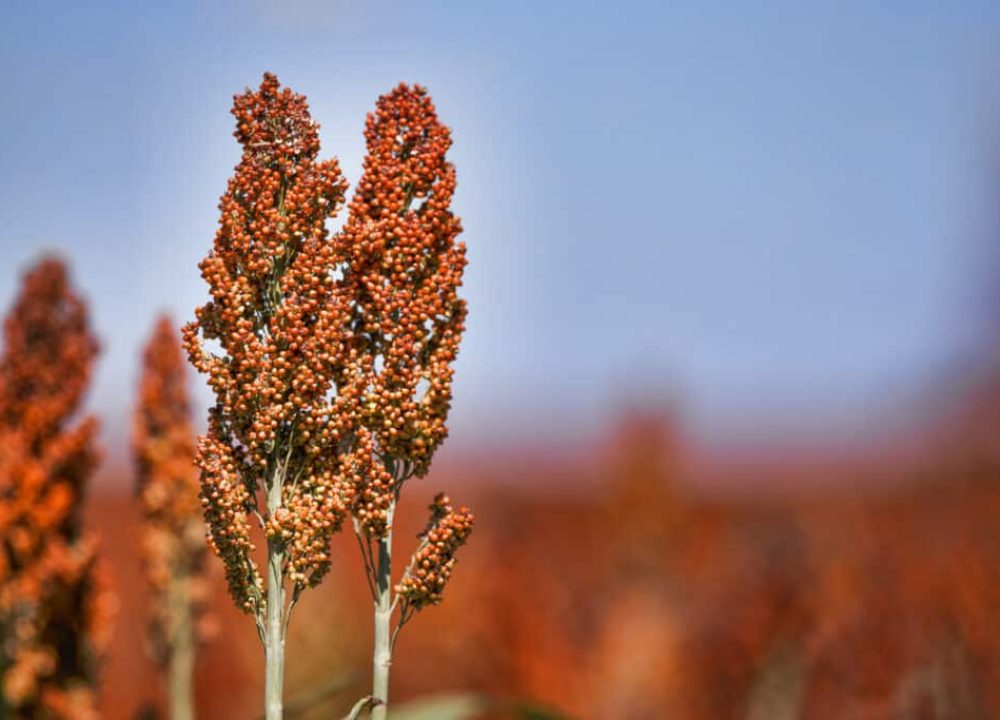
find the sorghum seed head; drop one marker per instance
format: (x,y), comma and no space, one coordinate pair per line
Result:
(54,604)
(172,531)
(432,563)
(404,267)
(279,321)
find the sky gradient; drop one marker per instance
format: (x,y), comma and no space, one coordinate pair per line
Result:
(774,219)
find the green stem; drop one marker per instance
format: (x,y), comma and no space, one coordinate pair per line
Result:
(382,658)
(274,625)
(180,671)
(274,648)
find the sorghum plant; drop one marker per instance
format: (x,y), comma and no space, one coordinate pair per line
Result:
(272,456)
(53,608)
(172,540)
(403,267)
(333,369)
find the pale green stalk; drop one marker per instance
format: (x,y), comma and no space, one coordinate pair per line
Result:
(180,668)
(382,658)
(274,621)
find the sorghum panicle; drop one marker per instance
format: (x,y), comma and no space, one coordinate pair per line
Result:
(47,357)
(404,268)
(278,316)
(424,582)
(54,605)
(172,532)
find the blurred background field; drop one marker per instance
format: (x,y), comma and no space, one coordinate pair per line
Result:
(607,583)
(728,408)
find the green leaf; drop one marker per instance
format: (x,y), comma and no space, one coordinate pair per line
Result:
(459,706)
(534,712)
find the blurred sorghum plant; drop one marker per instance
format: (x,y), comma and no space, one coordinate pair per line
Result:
(403,267)
(330,360)
(54,604)
(172,531)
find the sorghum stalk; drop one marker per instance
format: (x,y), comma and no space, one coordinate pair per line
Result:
(172,532)
(403,268)
(382,657)
(272,454)
(180,673)
(275,631)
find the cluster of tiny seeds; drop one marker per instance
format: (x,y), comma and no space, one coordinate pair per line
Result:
(45,559)
(335,369)
(226,502)
(432,563)
(279,315)
(173,546)
(374,486)
(48,353)
(404,268)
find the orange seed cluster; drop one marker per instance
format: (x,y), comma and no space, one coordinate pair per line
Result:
(278,350)
(432,563)
(172,539)
(53,603)
(403,269)
(333,366)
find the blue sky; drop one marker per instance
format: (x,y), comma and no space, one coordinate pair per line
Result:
(769,216)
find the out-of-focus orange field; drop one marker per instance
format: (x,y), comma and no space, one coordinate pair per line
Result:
(626,581)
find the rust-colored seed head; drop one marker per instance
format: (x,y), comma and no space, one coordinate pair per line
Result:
(334,363)
(404,267)
(278,315)
(54,605)
(433,561)
(172,539)
(48,354)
